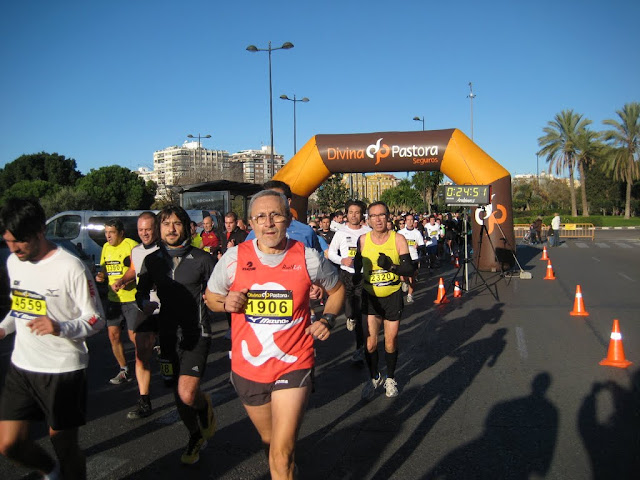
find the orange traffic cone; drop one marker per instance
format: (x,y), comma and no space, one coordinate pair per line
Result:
(550,275)
(544,253)
(578,305)
(442,294)
(457,291)
(615,355)
(457,265)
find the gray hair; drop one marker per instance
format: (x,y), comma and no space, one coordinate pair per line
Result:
(271,193)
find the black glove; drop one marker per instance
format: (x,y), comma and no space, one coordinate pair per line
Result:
(385,262)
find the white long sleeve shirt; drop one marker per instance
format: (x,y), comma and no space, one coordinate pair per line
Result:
(344,245)
(61,288)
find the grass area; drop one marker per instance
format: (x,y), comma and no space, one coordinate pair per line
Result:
(597,220)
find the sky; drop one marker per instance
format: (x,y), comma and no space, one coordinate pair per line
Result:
(111,82)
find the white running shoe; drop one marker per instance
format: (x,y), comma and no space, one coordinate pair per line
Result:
(370,386)
(405,287)
(409,298)
(391,387)
(351,324)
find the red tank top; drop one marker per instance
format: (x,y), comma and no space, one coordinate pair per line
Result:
(269,339)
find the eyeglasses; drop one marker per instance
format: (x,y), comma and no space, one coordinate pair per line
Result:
(274,217)
(379,215)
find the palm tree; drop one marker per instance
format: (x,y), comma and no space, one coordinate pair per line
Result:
(426,183)
(625,137)
(559,145)
(590,149)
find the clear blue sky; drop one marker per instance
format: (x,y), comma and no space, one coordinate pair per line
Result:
(111,82)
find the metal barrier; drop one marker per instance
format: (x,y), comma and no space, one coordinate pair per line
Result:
(567,230)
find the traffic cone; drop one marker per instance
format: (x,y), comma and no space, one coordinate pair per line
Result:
(442,293)
(457,265)
(457,291)
(550,275)
(578,305)
(615,355)
(544,253)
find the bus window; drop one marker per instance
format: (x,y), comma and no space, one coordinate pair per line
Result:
(66,226)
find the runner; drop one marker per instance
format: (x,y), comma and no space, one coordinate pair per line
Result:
(342,252)
(414,241)
(383,256)
(121,307)
(265,284)
(180,273)
(210,241)
(144,334)
(54,308)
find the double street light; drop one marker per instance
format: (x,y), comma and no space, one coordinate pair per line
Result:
(294,100)
(199,147)
(253,48)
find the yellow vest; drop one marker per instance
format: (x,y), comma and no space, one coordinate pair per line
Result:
(114,259)
(377,281)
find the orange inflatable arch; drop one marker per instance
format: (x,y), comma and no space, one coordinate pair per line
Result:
(449,151)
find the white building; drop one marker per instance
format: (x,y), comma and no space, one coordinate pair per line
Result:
(189,161)
(256,164)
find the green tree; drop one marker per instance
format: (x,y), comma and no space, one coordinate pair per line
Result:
(604,193)
(30,188)
(49,167)
(402,197)
(67,198)
(117,188)
(559,144)
(590,149)
(624,136)
(332,194)
(426,183)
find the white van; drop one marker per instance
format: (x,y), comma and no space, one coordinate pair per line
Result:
(85,228)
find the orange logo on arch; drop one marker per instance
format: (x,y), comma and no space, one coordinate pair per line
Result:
(379,150)
(490,217)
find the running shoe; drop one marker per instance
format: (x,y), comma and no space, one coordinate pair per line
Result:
(192,453)
(122,377)
(405,287)
(351,324)
(409,298)
(143,410)
(210,428)
(391,387)
(370,386)
(358,355)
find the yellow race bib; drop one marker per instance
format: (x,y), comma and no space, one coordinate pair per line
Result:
(27,305)
(269,306)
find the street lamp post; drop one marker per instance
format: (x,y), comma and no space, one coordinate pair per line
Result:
(199,147)
(253,48)
(418,119)
(294,100)
(471,96)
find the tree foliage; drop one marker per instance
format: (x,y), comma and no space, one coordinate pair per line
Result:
(66,198)
(403,197)
(49,167)
(624,136)
(426,183)
(332,194)
(30,188)
(117,188)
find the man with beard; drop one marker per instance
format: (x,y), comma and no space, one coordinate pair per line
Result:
(180,273)
(54,307)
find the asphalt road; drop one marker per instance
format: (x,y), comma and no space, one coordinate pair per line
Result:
(502,383)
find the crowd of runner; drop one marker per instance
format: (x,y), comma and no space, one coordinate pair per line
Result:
(280,282)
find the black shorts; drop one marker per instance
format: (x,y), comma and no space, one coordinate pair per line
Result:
(255,394)
(193,358)
(58,398)
(389,308)
(148,324)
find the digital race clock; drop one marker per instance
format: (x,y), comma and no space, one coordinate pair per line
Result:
(473,195)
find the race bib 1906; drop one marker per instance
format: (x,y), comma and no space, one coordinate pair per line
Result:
(269,306)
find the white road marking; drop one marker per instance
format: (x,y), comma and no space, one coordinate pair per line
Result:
(522,345)
(581,245)
(622,245)
(596,259)
(603,245)
(626,277)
